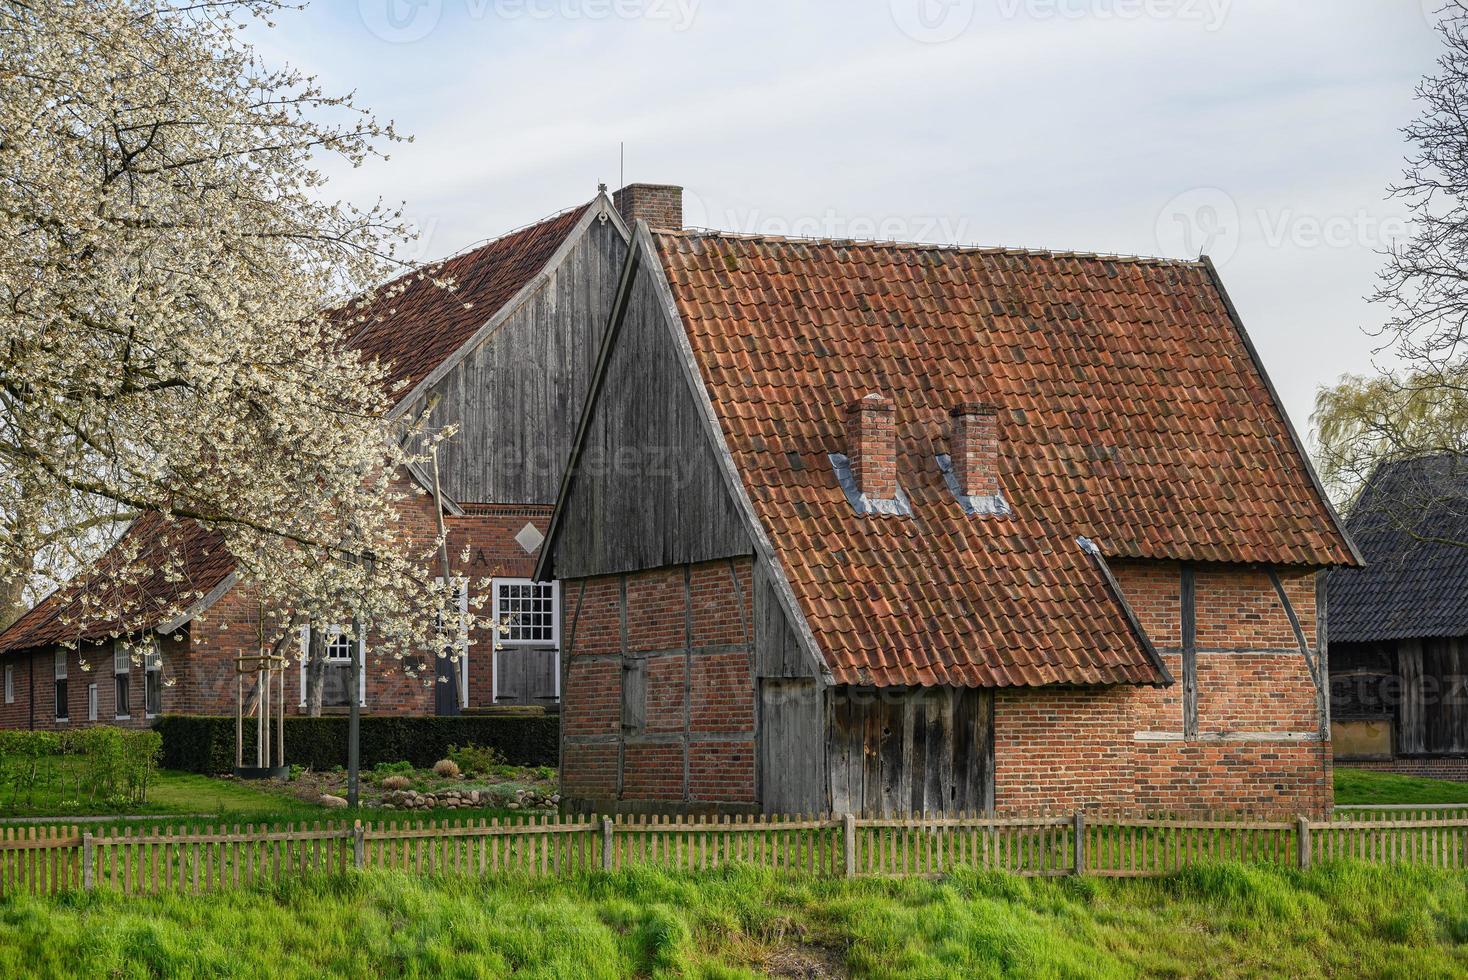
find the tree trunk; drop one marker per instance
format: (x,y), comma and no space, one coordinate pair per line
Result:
(315,670)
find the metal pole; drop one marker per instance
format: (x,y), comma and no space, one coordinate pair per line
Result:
(239,715)
(354,716)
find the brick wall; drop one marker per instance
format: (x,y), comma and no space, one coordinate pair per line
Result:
(1257,746)
(199,662)
(1454,769)
(91,664)
(684,631)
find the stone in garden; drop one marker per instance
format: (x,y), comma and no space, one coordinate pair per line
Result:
(334,802)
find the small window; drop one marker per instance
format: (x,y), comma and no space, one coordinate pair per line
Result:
(122,676)
(61,702)
(527,613)
(153,684)
(10,683)
(91,702)
(336,681)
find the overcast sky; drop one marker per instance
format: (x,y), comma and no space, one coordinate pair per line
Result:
(1262,131)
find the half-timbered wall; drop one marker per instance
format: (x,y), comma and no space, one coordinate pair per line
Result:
(658,690)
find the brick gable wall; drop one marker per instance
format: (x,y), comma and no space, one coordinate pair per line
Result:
(1257,747)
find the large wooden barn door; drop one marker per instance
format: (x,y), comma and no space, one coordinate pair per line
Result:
(893,751)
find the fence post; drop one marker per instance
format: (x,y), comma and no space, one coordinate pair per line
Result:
(1302,839)
(359,846)
(1079,828)
(607,853)
(89,862)
(848,837)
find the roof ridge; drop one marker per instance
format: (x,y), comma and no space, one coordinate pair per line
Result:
(1014,250)
(486,242)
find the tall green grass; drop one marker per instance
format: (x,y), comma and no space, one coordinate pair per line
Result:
(1341,919)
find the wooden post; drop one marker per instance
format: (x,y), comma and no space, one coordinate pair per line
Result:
(607,853)
(848,837)
(359,846)
(1302,835)
(1078,823)
(89,862)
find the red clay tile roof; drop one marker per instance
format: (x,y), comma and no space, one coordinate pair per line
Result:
(413,332)
(418,329)
(1130,413)
(204,563)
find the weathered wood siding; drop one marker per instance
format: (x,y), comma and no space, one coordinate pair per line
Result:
(792,746)
(778,653)
(517,397)
(647,491)
(895,751)
(1432,712)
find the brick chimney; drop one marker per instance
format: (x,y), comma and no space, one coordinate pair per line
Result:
(871,445)
(975,449)
(660,205)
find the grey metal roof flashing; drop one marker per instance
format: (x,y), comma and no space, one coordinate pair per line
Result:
(993,505)
(898,506)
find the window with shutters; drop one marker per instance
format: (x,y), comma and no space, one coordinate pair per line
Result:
(61,704)
(122,665)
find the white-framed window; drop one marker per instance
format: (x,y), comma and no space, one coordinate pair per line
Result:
(527,613)
(336,692)
(91,702)
(153,682)
(60,674)
(10,683)
(122,666)
(527,638)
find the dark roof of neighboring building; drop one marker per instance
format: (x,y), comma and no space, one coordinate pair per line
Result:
(68,614)
(421,326)
(1132,412)
(1411,522)
(413,330)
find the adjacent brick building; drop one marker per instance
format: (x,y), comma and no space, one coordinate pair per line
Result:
(506,358)
(883,528)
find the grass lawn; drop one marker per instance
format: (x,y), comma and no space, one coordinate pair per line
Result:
(1365,787)
(1338,920)
(173,795)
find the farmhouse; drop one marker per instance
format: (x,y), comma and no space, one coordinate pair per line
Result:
(508,357)
(885,528)
(1399,627)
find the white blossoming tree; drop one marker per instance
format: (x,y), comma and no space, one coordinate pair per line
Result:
(167,255)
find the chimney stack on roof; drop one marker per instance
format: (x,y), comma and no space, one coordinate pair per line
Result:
(660,205)
(871,445)
(975,449)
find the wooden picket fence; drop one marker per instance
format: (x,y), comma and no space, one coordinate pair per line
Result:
(49,860)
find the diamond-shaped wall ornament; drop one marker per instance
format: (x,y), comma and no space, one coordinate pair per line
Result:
(529,537)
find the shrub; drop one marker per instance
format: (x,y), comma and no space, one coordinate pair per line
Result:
(396,783)
(116,765)
(478,759)
(205,744)
(446,769)
(26,761)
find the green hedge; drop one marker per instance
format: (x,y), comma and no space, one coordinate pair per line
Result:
(117,765)
(205,744)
